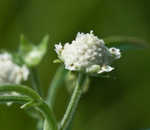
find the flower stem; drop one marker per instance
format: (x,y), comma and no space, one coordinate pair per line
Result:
(35,81)
(50,123)
(69,114)
(56,83)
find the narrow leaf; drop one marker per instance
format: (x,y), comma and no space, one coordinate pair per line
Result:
(125,43)
(28,105)
(20,99)
(21,89)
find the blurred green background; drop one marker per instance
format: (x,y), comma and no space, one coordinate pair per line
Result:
(119,103)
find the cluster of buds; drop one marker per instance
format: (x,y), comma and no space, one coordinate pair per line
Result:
(87,53)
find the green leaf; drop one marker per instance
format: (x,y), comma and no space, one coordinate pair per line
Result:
(28,105)
(125,43)
(45,110)
(18,99)
(33,54)
(20,89)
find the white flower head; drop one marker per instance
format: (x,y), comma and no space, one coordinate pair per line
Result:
(11,72)
(87,53)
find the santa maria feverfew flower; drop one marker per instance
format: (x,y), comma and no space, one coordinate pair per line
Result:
(11,72)
(87,53)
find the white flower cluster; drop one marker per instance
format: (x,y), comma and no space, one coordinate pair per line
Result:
(11,72)
(87,53)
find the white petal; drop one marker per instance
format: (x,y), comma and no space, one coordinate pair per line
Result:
(106,68)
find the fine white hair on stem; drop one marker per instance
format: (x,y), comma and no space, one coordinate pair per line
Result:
(87,53)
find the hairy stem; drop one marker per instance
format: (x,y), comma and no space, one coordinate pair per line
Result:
(69,114)
(50,123)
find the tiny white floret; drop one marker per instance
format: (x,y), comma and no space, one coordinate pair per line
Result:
(106,68)
(116,52)
(58,48)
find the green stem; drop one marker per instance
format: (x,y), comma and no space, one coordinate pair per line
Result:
(56,83)
(69,114)
(50,123)
(35,81)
